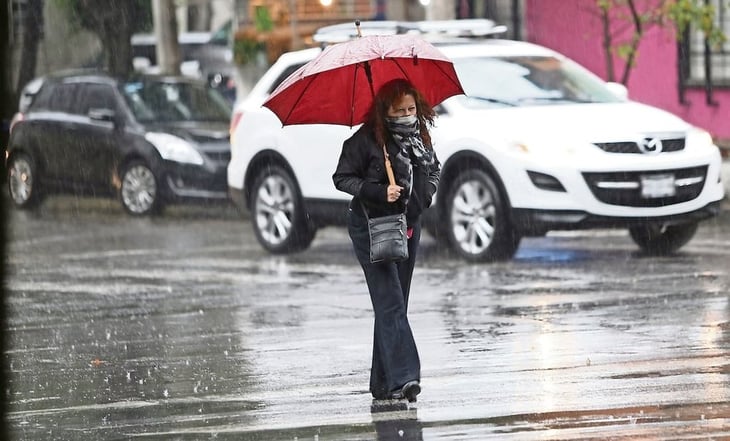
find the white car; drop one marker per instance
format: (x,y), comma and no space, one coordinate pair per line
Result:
(537,144)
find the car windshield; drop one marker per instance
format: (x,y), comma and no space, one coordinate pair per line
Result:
(165,101)
(533,80)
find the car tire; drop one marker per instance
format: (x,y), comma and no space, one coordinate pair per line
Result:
(277,212)
(662,240)
(477,223)
(139,191)
(22,178)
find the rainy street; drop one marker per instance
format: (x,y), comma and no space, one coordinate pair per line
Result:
(181,327)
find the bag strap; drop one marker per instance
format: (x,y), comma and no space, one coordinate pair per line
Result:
(391,178)
(388,167)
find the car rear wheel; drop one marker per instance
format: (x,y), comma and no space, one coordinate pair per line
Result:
(661,240)
(139,191)
(477,222)
(23,181)
(277,212)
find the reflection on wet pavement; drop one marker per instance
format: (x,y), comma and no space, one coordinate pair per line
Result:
(183,328)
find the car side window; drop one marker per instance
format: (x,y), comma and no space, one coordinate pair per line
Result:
(288,71)
(55,98)
(96,96)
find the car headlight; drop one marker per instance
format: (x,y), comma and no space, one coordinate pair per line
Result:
(175,149)
(698,138)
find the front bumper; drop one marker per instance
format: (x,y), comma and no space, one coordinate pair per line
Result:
(537,222)
(183,182)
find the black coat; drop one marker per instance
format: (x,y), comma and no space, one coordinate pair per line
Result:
(361,173)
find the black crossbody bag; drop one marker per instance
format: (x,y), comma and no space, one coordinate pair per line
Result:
(388,238)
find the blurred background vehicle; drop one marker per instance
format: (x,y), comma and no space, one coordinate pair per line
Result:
(205,55)
(149,140)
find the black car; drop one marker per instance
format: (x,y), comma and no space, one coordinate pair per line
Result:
(149,140)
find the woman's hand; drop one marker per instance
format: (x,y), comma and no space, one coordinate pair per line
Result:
(394,192)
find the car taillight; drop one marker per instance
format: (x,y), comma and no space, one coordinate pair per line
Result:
(18,117)
(234,121)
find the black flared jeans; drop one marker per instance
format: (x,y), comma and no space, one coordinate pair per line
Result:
(395,356)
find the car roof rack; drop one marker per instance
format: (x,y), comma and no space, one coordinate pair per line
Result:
(464,28)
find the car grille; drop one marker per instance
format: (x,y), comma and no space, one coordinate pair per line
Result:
(624,188)
(668,145)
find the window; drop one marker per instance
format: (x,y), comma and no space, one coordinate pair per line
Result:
(157,101)
(55,97)
(284,75)
(703,65)
(96,96)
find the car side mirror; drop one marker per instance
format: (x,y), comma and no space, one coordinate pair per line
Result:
(618,89)
(106,115)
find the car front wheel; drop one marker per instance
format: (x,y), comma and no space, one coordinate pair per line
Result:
(661,240)
(23,181)
(277,213)
(477,221)
(139,192)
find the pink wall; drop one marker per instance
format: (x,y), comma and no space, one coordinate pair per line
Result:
(573,27)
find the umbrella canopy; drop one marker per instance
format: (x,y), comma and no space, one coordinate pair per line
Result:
(335,88)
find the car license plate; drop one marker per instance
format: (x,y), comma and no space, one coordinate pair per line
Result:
(657,186)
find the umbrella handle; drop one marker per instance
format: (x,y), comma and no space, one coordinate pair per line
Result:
(388,167)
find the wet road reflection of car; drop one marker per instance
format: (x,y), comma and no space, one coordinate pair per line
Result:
(183,327)
(149,140)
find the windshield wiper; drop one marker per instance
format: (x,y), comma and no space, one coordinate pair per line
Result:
(492,100)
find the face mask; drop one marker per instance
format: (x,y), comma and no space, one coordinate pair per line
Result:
(403,120)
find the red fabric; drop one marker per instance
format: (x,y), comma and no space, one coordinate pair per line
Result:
(333,87)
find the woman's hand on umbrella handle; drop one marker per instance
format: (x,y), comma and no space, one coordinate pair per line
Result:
(394,192)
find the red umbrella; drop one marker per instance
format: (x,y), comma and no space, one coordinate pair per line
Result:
(335,87)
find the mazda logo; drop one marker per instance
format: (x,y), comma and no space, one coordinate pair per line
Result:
(650,145)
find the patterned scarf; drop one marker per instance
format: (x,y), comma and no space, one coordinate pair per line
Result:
(406,133)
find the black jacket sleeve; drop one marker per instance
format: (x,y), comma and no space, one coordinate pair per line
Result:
(433,179)
(351,175)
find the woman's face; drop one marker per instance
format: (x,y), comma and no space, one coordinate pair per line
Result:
(403,106)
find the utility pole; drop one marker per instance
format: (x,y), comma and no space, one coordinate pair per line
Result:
(168,47)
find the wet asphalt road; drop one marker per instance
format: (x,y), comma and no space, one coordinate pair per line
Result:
(182,328)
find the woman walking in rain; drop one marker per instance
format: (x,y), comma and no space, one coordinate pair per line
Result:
(399,119)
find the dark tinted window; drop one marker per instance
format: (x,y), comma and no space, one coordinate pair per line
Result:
(160,100)
(96,96)
(56,97)
(288,71)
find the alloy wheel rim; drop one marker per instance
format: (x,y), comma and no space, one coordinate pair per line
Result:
(139,189)
(20,181)
(274,210)
(473,217)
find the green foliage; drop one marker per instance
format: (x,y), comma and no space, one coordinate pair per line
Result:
(623,50)
(685,13)
(262,19)
(246,47)
(250,42)
(637,16)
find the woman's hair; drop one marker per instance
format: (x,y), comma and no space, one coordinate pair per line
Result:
(386,96)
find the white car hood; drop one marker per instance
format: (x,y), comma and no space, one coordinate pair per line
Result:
(608,122)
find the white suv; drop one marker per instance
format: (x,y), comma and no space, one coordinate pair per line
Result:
(537,144)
